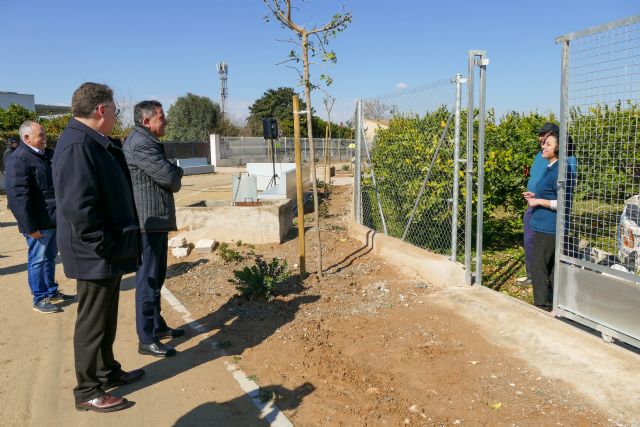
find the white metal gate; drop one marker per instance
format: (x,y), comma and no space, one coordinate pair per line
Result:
(598,228)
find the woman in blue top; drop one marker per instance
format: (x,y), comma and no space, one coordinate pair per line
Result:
(543,221)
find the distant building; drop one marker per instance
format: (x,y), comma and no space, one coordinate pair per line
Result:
(28,102)
(23,99)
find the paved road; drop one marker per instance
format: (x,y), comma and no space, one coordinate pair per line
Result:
(36,361)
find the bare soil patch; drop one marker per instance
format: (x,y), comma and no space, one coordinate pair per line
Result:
(364,345)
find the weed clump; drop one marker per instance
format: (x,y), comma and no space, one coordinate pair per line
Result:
(228,254)
(260,279)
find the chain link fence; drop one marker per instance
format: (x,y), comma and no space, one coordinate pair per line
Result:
(242,150)
(408,180)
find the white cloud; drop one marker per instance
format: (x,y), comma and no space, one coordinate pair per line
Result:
(401,85)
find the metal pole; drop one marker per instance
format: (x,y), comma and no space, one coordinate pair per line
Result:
(299,195)
(562,168)
(357,199)
(469,172)
(482,62)
(456,169)
(375,184)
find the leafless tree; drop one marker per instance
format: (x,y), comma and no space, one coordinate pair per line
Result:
(281,10)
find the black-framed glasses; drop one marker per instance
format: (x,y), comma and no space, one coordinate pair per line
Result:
(116,111)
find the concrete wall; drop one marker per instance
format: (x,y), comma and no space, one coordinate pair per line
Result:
(268,223)
(435,268)
(286,188)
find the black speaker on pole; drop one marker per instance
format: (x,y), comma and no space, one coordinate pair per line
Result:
(270,128)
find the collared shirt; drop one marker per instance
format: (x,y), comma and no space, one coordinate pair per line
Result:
(41,152)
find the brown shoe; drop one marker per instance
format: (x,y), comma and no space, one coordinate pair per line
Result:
(126,378)
(104,403)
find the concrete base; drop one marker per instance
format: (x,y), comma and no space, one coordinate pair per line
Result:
(438,269)
(268,223)
(195,166)
(286,183)
(198,170)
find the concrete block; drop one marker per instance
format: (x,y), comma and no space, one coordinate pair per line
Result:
(205,246)
(177,242)
(181,252)
(267,223)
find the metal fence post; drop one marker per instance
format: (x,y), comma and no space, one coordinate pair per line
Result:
(562,169)
(456,169)
(469,173)
(482,62)
(357,199)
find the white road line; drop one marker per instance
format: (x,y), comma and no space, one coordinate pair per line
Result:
(268,411)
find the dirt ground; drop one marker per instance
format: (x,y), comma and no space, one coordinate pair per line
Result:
(365,345)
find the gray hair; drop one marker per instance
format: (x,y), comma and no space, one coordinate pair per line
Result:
(25,128)
(87,97)
(144,110)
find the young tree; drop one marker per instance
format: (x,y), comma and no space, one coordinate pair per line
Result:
(192,118)
(328,102)
(281,10)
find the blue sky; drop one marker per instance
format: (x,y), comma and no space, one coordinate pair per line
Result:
(164,49)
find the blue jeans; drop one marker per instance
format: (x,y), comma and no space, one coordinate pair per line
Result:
(149,280)
(41,265)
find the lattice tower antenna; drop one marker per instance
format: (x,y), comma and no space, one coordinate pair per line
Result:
(223,70)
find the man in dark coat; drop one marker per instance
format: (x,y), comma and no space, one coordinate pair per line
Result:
(98,237)
(154,179)
(12,145)
(32,201)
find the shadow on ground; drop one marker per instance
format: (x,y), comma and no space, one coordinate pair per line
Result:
(234,327)
(233,411)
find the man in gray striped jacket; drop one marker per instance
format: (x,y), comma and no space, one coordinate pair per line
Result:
(154,180)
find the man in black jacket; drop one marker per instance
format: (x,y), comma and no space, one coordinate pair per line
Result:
(98,237)
(12,145)
(154,179)
(32,201)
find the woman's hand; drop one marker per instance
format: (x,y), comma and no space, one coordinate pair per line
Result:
(528,195)
(533,202)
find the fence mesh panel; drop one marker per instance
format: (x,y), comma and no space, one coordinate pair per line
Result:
(407,164)
(257,149)
(604,91)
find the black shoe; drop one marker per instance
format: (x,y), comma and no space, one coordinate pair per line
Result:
(126,378)
(170,333)
(156,349)
(45,306)
(59,297)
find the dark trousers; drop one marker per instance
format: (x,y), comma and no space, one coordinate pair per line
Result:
(95,332)
(528,240)
(149,280)
(544,248)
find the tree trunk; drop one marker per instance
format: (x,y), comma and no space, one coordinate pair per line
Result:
(307,95)
(327,158)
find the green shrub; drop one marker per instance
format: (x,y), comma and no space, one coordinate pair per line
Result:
(260,279)
(228,254)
